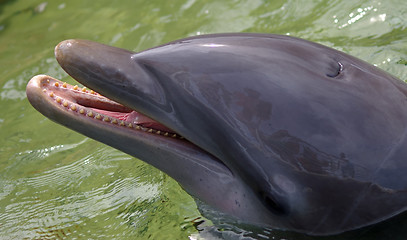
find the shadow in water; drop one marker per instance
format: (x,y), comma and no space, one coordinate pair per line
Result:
(223,228)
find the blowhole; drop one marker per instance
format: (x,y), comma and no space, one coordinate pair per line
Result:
(336,72)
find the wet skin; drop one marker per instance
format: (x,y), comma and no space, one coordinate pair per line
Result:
(272,130)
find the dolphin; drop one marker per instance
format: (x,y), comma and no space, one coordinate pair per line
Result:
(270,130)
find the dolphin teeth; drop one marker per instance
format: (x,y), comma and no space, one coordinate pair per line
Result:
(89,113)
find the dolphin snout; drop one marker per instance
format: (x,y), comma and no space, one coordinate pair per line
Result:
(63,47)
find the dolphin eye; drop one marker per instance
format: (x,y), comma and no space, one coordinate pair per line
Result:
(336,70)
(273,205)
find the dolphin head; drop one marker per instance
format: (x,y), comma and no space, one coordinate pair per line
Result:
(272,130)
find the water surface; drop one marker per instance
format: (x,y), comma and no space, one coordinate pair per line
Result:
(55,183)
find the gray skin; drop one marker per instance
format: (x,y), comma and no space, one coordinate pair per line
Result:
(280,132)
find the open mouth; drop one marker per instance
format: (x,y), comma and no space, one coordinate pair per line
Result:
(85,103)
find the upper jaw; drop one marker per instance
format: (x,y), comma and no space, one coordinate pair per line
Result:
(125,77)
(108,70)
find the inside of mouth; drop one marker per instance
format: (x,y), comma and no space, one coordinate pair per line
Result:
(135,118)
(88,103)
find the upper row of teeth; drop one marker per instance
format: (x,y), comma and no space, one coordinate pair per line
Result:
(98,116)
(65,85)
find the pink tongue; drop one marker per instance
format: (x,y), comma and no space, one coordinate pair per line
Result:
(136,118)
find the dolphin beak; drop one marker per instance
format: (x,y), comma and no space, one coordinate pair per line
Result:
(108,70)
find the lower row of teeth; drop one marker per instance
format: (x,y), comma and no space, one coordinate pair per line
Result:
(76,108)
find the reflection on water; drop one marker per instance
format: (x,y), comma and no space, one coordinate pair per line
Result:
(72,196)
(83,197)
(55,183)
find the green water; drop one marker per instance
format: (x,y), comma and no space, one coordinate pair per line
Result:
(55,183)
